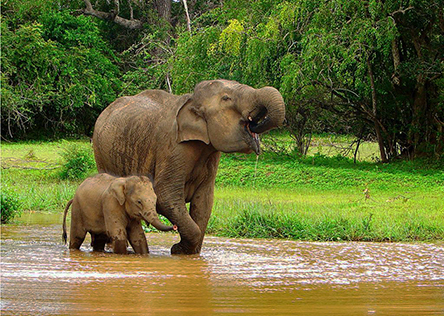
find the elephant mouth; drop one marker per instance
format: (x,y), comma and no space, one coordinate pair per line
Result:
(253,140)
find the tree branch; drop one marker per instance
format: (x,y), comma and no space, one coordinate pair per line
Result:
(112,16)
(187,15)
(403,11)
(131,10)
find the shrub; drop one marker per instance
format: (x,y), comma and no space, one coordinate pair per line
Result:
(78,162)
(10,204)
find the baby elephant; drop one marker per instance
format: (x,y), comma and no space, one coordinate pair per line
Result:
(110,209)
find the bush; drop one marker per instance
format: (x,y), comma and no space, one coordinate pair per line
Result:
(10,204)
(78,162)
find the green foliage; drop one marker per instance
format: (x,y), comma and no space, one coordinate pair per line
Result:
(230,38)
(57,73)
(368,68)
(78,162)
(148,68)
(320,55)
(10,204)
(193,55)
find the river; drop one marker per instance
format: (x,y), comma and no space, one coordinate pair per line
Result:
(40,276)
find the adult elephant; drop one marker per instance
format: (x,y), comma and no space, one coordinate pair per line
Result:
(178,139)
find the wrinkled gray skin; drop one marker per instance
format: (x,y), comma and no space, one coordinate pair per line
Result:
(178,140)
(110,209)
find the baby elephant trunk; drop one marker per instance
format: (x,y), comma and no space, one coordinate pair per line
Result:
(161,226)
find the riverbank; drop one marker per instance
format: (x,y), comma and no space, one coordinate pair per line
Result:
(278,196)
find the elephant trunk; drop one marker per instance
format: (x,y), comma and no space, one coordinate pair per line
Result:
(269,111)
(161,226)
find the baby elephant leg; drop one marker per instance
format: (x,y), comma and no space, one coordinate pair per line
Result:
(118,236)
(77,233)
(137,238)
(98,241)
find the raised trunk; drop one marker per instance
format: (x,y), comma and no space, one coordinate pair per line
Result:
(185,5)
(269,111)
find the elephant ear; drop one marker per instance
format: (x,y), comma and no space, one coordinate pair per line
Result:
(117,189)
(191,123)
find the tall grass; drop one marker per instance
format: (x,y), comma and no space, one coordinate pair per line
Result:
(9,204)
(327,173)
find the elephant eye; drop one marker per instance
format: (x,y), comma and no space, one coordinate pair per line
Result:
(226,98)
(139,202)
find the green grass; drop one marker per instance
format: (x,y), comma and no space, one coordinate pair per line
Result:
(32,170)
(328,198)
(319,197)
(307,214)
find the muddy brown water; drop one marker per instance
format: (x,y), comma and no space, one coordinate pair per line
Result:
(40,276)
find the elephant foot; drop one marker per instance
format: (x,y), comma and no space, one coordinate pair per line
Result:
(182,249)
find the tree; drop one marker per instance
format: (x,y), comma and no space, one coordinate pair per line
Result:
(362,67)
(58,74)
(350,53)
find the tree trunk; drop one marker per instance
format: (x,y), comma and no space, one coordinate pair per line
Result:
(375,114)
(163,7)
(421,124)
(440,136)
(396,62)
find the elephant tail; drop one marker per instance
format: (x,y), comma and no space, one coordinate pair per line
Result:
(64,236)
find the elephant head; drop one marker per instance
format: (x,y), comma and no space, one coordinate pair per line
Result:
(136,194)
(229,115)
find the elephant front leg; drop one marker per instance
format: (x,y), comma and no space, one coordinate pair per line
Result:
(189,240)
(189,231)
(137,238)
(118,235)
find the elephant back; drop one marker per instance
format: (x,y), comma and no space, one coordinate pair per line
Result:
(126,134)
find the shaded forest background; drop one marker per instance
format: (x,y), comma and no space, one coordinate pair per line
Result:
(372,69)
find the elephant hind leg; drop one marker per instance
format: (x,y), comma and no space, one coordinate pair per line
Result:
(98,241)
(76,236)
(76,240)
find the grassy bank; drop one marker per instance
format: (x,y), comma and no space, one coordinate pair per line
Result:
(32,170)
(328,198)
(314,198)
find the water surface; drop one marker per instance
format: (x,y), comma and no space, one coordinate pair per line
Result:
(40,276)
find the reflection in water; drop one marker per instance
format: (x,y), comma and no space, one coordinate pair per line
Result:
(41,277)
